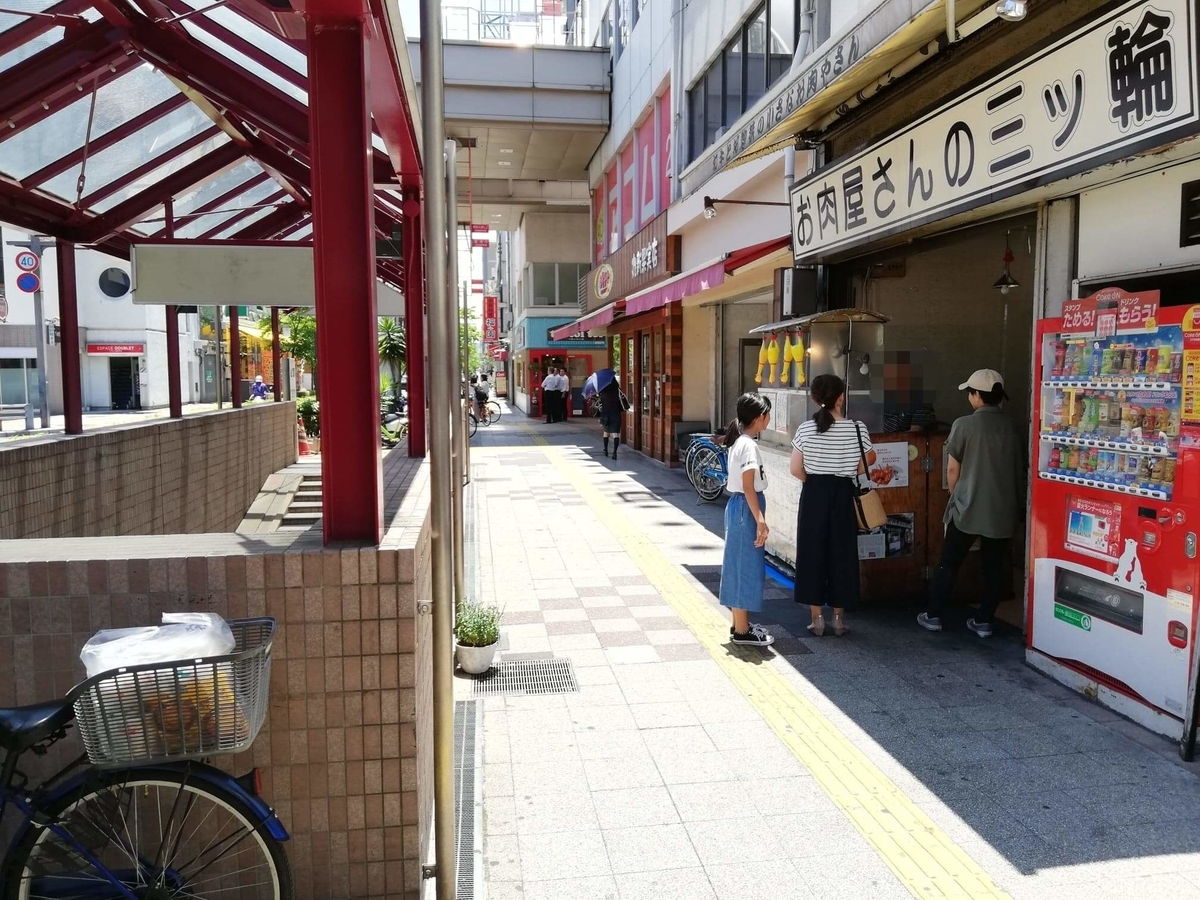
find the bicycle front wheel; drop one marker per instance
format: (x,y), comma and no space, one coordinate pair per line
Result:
(494,409)
(474,424)
(158,833)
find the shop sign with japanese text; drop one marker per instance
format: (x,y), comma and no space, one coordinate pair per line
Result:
(1123,83)
(491,318)
(648,257)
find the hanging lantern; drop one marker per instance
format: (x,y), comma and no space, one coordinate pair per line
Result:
(762,361)
(773,358)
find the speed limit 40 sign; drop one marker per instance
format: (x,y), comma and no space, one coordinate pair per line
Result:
(27,260)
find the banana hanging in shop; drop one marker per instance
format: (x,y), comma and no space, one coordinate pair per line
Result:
(762,361)
(773,358)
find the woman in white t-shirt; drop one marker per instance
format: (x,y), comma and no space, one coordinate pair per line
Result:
(827,456)
(743,570)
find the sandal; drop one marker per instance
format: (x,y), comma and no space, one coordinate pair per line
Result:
(839,626)
(817,626)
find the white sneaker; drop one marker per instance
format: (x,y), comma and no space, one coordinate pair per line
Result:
(983,629)
(928,622)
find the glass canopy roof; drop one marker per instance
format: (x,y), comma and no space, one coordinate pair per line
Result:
(110,138)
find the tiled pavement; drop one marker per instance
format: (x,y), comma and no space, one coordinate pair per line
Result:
(664,778)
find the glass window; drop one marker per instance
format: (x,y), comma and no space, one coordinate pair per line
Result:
(822,26)
(783,38)
(117,102)
(30,47)
(173,164)
(259,72)
(114,283)
(12,381)
(127,154)
(714,104)
(243,223)
(756,57)
(696,120)
(733,80)
(544,284)
(300,234)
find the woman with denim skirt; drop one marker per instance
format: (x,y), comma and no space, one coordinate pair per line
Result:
(743,570)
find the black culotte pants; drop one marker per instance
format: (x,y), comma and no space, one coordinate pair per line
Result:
(827,543)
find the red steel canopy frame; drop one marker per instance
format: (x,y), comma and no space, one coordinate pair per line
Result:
(248,120)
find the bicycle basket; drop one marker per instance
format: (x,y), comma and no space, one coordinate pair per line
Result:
(159,712)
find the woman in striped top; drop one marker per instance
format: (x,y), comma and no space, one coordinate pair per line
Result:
(827,456)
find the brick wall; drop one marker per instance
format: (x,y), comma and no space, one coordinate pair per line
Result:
(346,753)
(177,476)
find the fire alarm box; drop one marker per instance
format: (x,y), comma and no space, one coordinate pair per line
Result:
(795,292)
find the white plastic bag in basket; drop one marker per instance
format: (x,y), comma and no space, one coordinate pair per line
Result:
(181,636)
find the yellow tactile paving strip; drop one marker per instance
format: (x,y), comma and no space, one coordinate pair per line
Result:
(920,853)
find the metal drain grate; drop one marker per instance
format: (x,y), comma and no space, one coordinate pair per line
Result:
(468,799)
(525,677)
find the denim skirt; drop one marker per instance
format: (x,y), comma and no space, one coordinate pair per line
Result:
(743,570)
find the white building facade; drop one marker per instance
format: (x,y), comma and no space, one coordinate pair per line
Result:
(123,346)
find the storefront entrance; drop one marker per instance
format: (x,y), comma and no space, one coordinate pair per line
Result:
(651,362)
(123,384)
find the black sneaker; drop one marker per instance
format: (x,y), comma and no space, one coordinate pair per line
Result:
(757,636)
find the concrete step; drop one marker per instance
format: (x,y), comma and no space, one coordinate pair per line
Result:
(302,519)
(304,506)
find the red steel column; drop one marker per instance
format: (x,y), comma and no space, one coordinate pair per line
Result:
(276,364)
(68,317)
(175,395)
(414,330)
(235,358)
(344,251)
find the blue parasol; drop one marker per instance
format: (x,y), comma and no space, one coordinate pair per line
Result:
(598,381)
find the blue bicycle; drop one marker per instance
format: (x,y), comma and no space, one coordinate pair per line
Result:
(149,819)
(706,467)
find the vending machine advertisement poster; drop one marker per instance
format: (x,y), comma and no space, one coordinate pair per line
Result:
(891,466)
(1094,527)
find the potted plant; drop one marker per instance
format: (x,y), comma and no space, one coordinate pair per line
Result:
(476,636)
(309,410)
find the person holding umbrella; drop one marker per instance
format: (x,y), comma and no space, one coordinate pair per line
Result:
(603,384)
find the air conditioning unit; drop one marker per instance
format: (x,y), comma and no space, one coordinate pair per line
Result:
(795,292)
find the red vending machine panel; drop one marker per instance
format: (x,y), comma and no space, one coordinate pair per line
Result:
(1116,494)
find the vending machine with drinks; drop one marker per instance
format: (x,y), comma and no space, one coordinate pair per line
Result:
(1116,502)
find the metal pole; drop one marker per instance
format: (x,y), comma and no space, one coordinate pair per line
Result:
(36,246)
(235,357)
(276,361)
(454,371)
(433,114)
(68,311)
(220,361)
(466,440)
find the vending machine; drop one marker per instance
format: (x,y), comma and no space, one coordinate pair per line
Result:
(1116,502)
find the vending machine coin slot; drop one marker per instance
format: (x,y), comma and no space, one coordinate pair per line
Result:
(1177,635)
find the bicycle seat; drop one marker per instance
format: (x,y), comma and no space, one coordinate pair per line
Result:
(23,726)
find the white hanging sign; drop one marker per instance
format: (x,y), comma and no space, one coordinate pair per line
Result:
(1122,83)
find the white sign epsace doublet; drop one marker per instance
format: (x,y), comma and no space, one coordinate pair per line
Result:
(1122,83)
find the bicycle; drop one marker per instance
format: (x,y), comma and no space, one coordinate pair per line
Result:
(150,819)
(472,422)
(706,465)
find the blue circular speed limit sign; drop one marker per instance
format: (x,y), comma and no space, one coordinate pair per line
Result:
(28,282)
(27,261)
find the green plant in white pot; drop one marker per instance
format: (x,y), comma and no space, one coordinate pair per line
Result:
(476,635)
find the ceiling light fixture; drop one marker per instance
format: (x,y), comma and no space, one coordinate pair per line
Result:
(1006,282)
(1011,10)
(504,162)
(506,149)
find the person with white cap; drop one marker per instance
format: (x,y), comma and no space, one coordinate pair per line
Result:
(985,472)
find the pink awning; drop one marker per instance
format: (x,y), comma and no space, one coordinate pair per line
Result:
(583,324)
(699,279)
